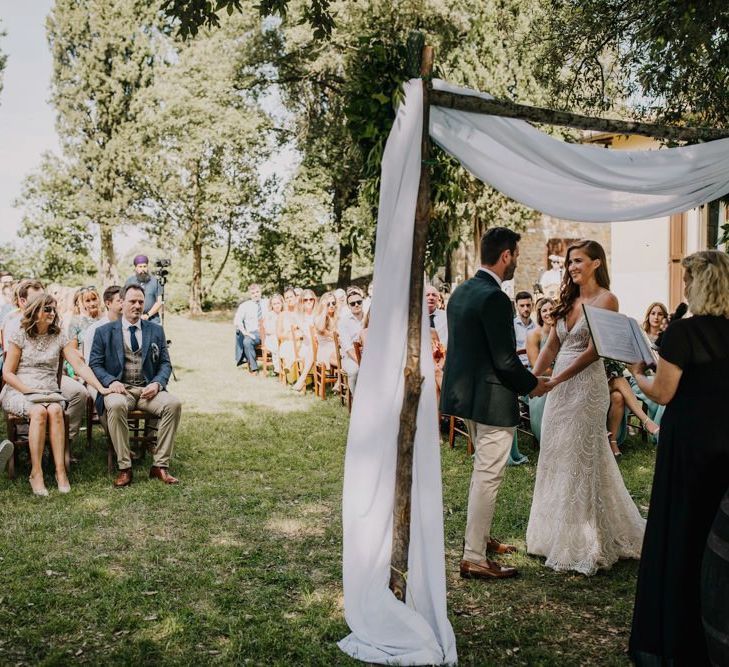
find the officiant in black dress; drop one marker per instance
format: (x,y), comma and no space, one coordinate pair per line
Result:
(691,477)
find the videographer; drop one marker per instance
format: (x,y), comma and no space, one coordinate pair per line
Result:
(151,286)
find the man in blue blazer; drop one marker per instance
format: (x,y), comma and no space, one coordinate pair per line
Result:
(129,356)
(482,380)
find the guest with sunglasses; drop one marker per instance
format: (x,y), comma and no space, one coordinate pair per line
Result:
(304,325)
(350,326)
(284,324)
(73,392)
(31,385)
(326,325)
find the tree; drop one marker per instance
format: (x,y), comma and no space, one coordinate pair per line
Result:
(61,238)
(103,57)
(191,15)
(294,245)
(670,58)
(199,154)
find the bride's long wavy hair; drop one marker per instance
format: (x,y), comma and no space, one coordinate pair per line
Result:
(568,291)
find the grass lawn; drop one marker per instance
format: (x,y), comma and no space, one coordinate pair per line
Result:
(241,563)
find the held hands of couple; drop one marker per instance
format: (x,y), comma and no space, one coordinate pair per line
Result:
(544,385)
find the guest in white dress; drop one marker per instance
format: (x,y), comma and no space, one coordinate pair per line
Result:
(582,516)
(270,326)
(304,326)
(325,323)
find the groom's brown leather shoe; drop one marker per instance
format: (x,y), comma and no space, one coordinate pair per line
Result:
(496,547)
(486,569)
(124,478)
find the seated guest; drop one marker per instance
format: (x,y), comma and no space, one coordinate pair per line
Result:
(437,315)
(86,312)
(6,300)
(655,320)
(303,327)
(367,300)
(690,482)
(31,385)
(270,327)
(247,321)
(284,325)
(66,300)
(523,324)
(73,391)
(536,340)
(439,355)
(622,398)
(325,323)
(113,303)
(129,356)
(350,325)
(341,297)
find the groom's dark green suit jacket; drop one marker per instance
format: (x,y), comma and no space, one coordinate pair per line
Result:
(483,375)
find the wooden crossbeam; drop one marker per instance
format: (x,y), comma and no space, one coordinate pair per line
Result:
(567,119)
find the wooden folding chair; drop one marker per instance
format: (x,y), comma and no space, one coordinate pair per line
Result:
(324,376)
(19,436)
(264,356)
(345,392)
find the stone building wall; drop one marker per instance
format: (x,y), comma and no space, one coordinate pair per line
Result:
(535,248)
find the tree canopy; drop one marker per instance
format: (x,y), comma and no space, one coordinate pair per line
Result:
(191,15)
(670,58)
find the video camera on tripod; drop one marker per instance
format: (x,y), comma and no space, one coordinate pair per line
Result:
(162,271)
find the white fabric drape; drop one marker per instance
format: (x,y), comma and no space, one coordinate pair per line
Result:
(565,180)
(383,629)
(579,181)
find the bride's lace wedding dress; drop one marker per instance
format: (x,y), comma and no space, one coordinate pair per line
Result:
(582,516)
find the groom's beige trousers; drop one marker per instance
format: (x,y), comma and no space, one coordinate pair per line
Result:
(492,445)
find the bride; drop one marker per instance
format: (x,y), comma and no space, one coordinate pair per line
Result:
(582,517)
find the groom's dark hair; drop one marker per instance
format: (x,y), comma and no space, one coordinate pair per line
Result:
(495,241)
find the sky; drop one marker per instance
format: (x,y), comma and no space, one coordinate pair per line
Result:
(27,120)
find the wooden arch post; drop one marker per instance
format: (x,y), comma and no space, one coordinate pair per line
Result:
(413,377)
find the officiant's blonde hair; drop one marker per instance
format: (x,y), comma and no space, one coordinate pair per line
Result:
(708,291)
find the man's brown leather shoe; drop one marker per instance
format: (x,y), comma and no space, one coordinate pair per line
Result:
(162,474)
(496,547)
(124,478)
(486,569)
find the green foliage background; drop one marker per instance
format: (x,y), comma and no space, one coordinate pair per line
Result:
(252,150)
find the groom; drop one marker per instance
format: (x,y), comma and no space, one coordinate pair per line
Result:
(483,378)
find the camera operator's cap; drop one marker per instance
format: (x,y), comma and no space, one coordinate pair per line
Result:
(141,259)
